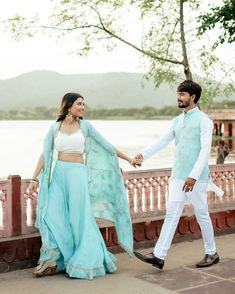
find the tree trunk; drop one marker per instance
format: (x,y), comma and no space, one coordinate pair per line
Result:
(186,66)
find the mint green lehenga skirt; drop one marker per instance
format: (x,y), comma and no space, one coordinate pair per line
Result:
(75,242)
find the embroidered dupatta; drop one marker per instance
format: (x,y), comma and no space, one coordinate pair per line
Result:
(105,184)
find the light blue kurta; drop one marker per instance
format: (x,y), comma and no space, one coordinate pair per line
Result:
(105,190)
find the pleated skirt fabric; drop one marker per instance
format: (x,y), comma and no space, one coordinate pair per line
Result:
(74,242)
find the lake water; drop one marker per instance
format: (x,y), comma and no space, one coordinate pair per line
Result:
(21,143)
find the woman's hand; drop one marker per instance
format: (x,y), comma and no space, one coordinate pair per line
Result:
(134,162)
(31,191)
(137,160)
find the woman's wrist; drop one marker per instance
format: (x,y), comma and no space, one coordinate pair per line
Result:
(129,159)
(34,180)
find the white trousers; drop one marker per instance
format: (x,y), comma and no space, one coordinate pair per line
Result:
(175,205)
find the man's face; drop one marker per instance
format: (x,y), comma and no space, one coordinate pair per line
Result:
(184,99)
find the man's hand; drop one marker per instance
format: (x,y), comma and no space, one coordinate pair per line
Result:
(189,185)
(137,160)
(134,163)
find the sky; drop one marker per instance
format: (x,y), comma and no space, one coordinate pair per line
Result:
(44,53)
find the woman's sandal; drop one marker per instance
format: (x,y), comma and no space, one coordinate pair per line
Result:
(48,268)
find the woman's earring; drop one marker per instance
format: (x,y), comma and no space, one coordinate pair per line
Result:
(69,117)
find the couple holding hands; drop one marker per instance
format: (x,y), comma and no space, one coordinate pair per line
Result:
(73,190)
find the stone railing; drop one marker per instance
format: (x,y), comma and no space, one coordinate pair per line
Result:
(218,114)
(148,192)
(147,195)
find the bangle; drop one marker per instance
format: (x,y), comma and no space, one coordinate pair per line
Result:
(34,180)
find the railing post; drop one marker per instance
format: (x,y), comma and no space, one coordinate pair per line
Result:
(154,196)
(16,205)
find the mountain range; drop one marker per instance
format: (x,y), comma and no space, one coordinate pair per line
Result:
(110,90)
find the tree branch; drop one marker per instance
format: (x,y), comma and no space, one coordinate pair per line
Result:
(145,52)
(66,29)
(170,38)
(112,35)
(187,71)
(103,28)
(221,80)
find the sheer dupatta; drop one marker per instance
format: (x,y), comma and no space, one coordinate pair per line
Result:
(105,183)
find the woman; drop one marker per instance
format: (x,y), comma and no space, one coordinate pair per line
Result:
(71,239)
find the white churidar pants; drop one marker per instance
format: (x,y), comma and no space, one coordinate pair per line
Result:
(175,205)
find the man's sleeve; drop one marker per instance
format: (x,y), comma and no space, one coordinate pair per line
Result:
(206,139)
(159,144)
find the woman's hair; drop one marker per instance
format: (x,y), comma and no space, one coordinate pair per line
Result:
(66,103)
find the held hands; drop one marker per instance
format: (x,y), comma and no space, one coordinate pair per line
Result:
(137,160)
(189,185)
(31,191)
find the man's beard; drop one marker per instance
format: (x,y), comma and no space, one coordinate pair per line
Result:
(184,104)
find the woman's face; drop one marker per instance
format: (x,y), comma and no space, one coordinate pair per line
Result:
(78,108)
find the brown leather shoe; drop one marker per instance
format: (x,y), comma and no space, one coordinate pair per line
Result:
(150,258)
(208,260)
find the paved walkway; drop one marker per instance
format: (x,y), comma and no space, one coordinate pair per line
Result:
(179,275)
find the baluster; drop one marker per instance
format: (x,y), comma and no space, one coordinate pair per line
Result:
(29,213)
(131,195)
(1,209)
(162,195)
(139,197)
(33,209)
(233,180)
(167,189)
(219,184)
(4,214)
(212,199)
(154,196)
(147,196)
(25,216)
(230,187)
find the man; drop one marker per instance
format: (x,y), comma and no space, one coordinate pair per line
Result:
(221,152)
(192,131)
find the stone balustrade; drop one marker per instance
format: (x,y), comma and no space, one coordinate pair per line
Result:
(147,192)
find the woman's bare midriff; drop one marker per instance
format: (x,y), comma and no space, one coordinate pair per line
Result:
(70,157)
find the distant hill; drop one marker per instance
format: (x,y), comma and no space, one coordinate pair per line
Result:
(46,88)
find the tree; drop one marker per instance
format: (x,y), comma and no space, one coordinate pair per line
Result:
(224,17)
(167,43)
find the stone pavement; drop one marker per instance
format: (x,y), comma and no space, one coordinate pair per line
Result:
(179,275)
(187,279)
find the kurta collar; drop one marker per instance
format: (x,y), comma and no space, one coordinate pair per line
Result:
(191,111)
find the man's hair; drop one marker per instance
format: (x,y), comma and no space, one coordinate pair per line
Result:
(191,88)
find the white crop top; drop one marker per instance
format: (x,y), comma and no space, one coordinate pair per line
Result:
(70,143)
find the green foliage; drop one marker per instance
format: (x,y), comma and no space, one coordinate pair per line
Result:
(37,113)
(44,113)
(224,17)
(225,104)
(145,113)
(167,43)
(21,27)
